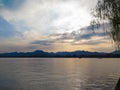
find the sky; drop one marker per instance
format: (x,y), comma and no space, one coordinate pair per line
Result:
(50,25)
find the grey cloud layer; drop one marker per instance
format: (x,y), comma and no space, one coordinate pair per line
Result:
(43,42)
(88,37)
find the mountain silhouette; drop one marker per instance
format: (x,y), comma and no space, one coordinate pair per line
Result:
(80,54)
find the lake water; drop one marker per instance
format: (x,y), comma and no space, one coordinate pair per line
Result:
(58,73)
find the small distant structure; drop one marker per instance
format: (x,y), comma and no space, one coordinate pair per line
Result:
(118,85)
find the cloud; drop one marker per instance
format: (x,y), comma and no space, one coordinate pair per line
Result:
(45,17)
(47,24)
(85,33)
(43,42)
(78,37)
(93,41)
(48,16)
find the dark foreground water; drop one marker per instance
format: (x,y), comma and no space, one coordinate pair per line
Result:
(58,74)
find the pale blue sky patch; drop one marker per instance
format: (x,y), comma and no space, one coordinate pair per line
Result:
(11,4)
(7,30)
(21,26)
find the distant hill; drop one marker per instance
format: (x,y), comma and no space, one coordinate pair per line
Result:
(80,54)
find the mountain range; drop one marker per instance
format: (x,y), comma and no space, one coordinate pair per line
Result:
(80,54)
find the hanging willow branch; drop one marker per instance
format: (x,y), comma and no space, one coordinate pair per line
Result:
(109,10)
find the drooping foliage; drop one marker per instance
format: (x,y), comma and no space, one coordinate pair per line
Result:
(109,10)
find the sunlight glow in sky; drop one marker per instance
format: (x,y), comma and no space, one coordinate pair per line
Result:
(50,25)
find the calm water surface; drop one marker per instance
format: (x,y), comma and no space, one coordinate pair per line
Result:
(58,74)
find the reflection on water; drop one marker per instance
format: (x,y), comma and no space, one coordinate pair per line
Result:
(58,74)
